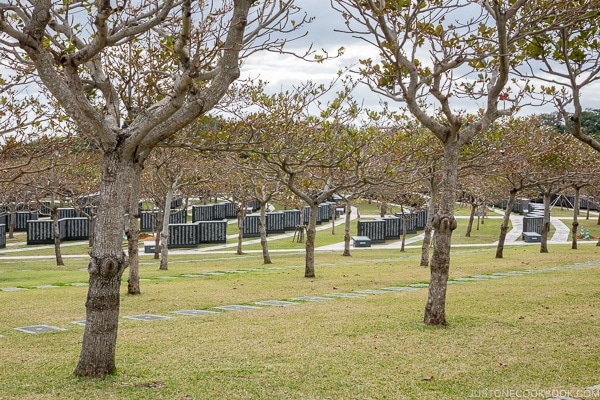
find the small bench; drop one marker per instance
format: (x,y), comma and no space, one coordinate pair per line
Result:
(532,237)
(361,241)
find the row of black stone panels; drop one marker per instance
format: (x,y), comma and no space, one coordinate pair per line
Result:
(2,236)
(191,234)
(41,231)
(521,205)
(208,212)
(391,227)
(180,235)
(533,218)
(20,219)
(219,211)
(533,215)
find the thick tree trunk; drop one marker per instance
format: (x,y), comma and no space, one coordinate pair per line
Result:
(133,232)
(505,224)
(262,223)
(546,224)
(164,233)
(428,227)
(575,222)
(56,228)
(311,234)
(444,224)
(105,268)
(347,214)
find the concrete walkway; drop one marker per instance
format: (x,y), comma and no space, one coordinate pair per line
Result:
(561,234)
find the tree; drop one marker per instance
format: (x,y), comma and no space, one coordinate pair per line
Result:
(568,56)
(314,153)
(514,143)
(193,54)
(466,39)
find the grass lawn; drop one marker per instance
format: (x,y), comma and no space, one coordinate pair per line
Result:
(534,329)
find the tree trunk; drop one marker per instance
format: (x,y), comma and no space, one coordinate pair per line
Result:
(11,220)
(404,226)
(262,223)
(482,214)
(333,216)
(133,232)
(311,233)
(383,209)
(403,241)
(241,214)
(575,222)
(157,216)
(505,224)
(105,268)
(56,228)
(92,219)
(444,224)
(164,233)
(471,219)
(347,214)
(546,223)
(428,226)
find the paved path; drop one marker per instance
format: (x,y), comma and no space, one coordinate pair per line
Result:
(562,231)
(561,234)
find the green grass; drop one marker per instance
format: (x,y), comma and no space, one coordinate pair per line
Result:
(529,332)
(526,332)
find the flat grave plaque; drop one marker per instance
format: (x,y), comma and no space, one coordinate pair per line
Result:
(420,285)
(195,312)
(345,295)
(39,329)
(147,317)
(237,307)
(400,288)
(82,322)
(275,303)
(311,298)
(467,279)
(372,291)
(504,274)
(12,289)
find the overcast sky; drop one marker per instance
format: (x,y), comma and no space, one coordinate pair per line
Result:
(283,71)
